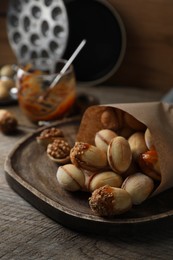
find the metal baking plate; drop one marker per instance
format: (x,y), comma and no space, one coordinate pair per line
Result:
(37,28)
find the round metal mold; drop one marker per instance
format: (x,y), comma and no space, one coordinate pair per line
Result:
(101,25)
(37,28)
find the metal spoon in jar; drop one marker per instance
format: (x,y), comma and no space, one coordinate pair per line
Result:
(63,70)
(67,65)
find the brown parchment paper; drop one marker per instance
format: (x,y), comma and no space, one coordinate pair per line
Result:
(157,116)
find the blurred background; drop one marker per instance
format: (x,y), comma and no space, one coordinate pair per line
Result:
(148,60)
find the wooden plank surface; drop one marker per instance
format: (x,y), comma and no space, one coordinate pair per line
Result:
(149,55)
(7,56)
(28,234)
(6,53)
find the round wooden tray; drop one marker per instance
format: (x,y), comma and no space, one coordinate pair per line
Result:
(33,175)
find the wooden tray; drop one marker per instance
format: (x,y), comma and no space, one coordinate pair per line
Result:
(33,175)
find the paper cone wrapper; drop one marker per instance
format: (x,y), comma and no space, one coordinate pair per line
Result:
(156,116)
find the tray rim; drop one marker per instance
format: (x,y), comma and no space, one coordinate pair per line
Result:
(14,179)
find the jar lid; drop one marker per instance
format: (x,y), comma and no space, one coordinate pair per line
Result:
(100,24)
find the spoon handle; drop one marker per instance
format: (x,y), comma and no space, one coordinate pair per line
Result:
(69,62)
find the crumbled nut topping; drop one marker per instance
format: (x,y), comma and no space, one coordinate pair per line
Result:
(101,201)
(77,151)
(51,132)
(59,149)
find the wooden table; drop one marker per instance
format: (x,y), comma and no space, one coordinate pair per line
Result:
(25,233)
